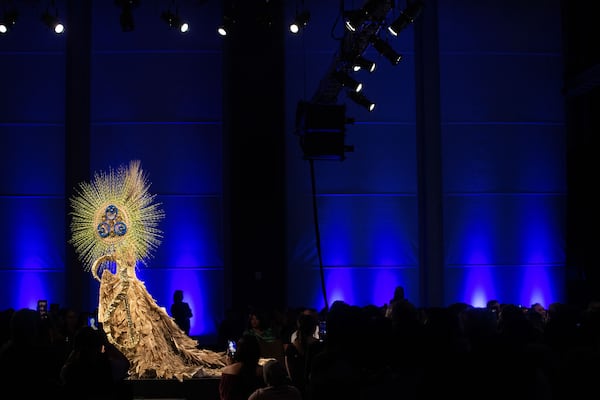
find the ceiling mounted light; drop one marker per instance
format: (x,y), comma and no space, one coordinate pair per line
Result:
(406,17)
(173,20)
(353,19)
(53,22)
(300,22)
(386,50)
(346,80)
(9,19)
(225,28)
(126,18)
(361,100)
(362,63)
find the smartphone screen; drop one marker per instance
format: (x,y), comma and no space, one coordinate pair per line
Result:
(42,308)
(231,348)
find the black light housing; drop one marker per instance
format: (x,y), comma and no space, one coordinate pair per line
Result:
(9,19)
(362,63)
(406,17)
(355,18)
(300,22)
(53,22)
(322,130)
(126,19)
(361,100)
(386,50)
(346,80)
(173,20)
(225,28)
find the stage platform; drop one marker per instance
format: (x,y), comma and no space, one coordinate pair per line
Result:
(172,389)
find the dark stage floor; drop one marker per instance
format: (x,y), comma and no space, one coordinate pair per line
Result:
(189,389)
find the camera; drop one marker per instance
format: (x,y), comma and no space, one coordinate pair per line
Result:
(322,330)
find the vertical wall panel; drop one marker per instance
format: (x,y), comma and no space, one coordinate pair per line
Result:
(32,116)
(504,151)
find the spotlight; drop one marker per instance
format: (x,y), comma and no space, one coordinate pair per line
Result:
(9,19)
(347,81)
(361,100)
(225,28)
(53,22)
(174,21)
(126,18)
(300,22)
(386,50)
(362,63)
(406,17)
(355,18)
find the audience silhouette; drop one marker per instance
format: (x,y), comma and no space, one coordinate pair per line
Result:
(278,384)
(498,351)
(29,362)
(244,375)
(89,373)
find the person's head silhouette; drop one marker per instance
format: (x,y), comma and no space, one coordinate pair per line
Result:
(178,296)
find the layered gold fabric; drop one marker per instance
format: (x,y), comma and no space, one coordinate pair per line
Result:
(114,227)
(150,339)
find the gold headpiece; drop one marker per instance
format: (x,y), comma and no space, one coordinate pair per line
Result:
(115,212)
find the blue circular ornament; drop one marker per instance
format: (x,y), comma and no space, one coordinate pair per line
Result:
(103,229)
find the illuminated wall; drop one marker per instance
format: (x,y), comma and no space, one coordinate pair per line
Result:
(32,115)
(502,168)
(504,153)
(157,96)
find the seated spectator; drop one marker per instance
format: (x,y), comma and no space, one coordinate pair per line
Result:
(278,384)
(258,326)
(29,363)
(398,298)
(88,372)
(244,374)
(313,313)
(300,352)
(230,328)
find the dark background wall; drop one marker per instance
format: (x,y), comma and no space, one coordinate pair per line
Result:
(470,180)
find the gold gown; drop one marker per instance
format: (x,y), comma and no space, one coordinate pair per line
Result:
(114,225)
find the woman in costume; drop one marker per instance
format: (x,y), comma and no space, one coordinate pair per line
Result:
(114,226)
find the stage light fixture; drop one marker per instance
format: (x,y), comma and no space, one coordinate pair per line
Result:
(225,28)
(353,19)
(406,17)
(346,80)
(322,131)
(386,50)
(53,22)
(126,19)
(173,20)
(300,22)
(361,100)
(9,19)
(362,63)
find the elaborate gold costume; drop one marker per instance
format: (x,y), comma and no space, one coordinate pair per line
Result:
(114,226)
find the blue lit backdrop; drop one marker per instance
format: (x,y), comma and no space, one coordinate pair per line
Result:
(157,97)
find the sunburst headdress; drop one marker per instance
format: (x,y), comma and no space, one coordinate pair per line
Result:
(115,212)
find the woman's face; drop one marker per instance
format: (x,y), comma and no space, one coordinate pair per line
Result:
(254,322)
